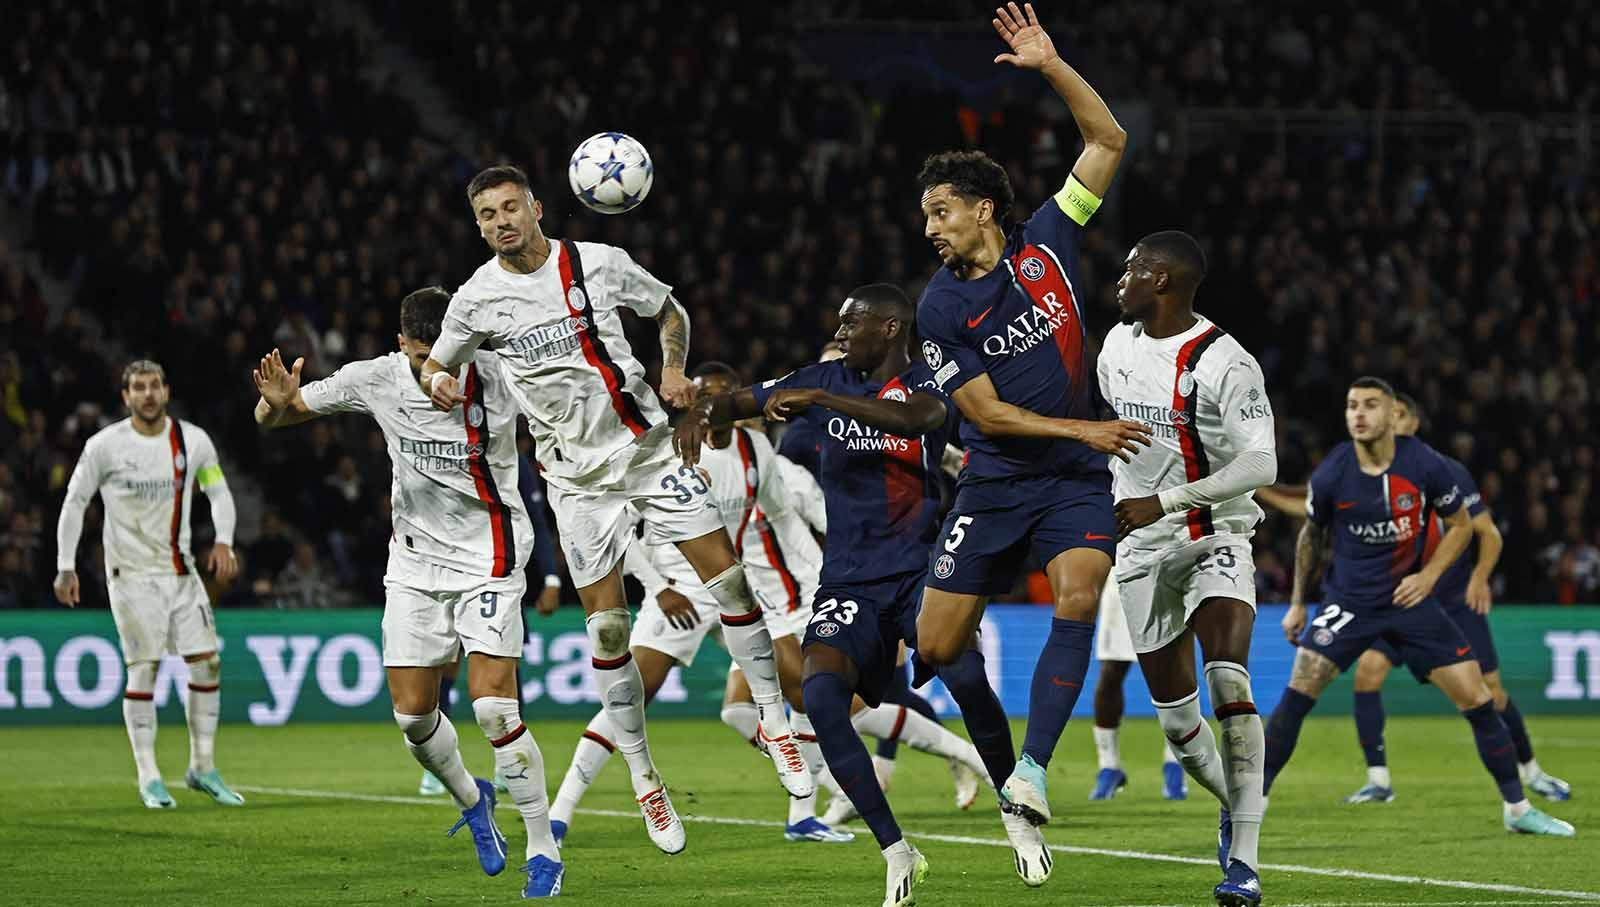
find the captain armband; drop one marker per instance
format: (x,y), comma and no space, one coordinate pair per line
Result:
(1076,201)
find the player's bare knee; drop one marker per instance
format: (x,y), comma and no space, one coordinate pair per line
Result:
(608,633)
(1078,603)
(1371,671)
(940,650)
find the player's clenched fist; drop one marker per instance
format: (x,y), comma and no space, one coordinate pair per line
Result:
(1136,513)
(444,390)
(66,588)
(1294,621)
(676,388)
(1120,437)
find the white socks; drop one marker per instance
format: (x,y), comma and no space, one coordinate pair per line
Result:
(593,752)
(896,722)
(205,702)
(803,808)
(742,717)
(622,694)
(1105,747)
(432,740)
(745,634)
(1379,775)
(139,714)
(521,765)
(1189,734)
(1244,749)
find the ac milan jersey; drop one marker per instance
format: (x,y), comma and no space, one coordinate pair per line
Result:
(454,491)
(562,344)
(1378,522)
(1022,325)
(881,490)
(764,518)
(1451,589)
(147,485)
(1205,402)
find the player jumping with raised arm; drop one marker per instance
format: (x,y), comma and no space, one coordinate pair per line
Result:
(457,556)
(1369,501)
(883,427)
(1004,336)
(146,469)
(549,309)
(1184,522)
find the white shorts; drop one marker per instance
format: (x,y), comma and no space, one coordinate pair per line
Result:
(652,630)
(592,518)
(429,612)
(1111,639)
(157,615)
(779,619)
(1161,589)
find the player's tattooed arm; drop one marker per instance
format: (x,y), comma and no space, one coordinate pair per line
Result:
(709,413)
(1308,552)
(1031,48)
(673,319)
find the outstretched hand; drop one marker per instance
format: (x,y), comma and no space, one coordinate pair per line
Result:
(1031,47)
(276,384)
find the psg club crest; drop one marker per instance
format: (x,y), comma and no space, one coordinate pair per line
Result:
(895,394)
(827,628)
(1185,383)
(933,355)
(1032,268)
(1323,636)
(576,300)
(1405,501)
(944,566)
(475,415)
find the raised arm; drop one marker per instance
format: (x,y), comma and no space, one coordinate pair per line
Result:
(1031,48)
(281,403)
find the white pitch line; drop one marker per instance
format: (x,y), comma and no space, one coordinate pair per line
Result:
(993,842)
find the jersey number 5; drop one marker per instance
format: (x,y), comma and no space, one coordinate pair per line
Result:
(958,533)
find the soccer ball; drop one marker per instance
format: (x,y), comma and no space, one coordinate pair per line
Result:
(611,173)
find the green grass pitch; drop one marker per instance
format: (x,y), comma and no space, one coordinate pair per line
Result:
(72,830)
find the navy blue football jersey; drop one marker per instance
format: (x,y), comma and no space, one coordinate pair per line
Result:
(1022,324)
(1451,590)
(881,491)
(1379,523)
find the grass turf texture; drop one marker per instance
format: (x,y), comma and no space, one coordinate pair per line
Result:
(73,830)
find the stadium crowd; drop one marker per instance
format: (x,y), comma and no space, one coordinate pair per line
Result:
(246,187)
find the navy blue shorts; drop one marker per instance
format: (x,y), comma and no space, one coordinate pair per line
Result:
(1473,626)
(1423,637)
(995,523)
(867,622)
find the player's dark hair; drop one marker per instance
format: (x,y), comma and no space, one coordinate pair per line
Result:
(1182,254)
(491,177)
(1375,383)
(973,175)
(886,301)
(142,367)
(1413,404)
(422,313)
(716,369)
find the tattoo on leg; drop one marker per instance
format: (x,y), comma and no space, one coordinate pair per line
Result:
(1312,673)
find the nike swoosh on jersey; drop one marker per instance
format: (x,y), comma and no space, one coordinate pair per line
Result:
(974,322)
(1096,538)
(1463,650)
(1345,505)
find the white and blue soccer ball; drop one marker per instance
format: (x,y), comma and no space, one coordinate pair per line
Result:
(611,173)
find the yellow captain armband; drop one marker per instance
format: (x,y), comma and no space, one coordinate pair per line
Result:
(1076,201)
(208,475)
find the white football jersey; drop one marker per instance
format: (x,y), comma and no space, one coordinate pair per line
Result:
(147,484)
(765,518)
(1205,401)
(454,492)
(562,343)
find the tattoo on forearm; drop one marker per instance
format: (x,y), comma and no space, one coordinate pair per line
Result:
(1307,558)
(674,323)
